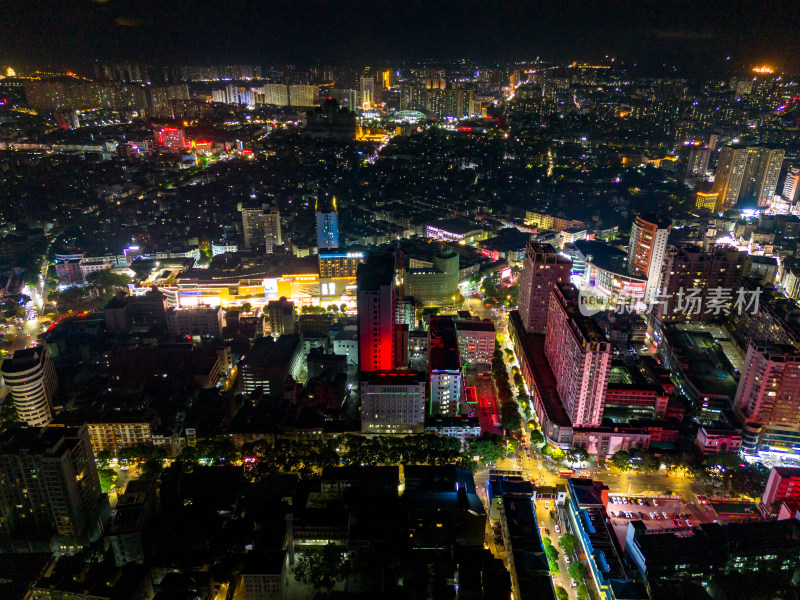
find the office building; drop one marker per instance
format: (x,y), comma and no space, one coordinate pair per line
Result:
(253,227)
(768,552)
(340,265)
(393,402)
(435,284)
(264,576)
(50,488)
(783,485)
(223,247)
(31,379)
(327,224)
(205,321)
(272,366)
(476,342)
(579,355)
(137,314)
(542,268)
(280,317)
(768,398)
(647,249)
(272,229)
(791,186)
(444,368)
(135,510)
(375,300)
(697,163)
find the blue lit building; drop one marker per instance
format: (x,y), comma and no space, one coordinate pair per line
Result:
(327,224)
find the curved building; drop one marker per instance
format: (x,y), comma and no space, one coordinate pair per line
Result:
(437,284)
(31,377)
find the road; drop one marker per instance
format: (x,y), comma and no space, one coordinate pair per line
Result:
(548,524)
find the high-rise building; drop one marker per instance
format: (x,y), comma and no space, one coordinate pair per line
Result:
(31,378)
(476,342)
(203,321)
(49,486)
(791,187)
(272,229)
(768,398)
(252,227)
(375,300)
(580,356)
(746,175)
(276,93)
(729,176)
(327,224)
(279,317)
(444,368)
(303,95)
(646,250)
(368,99)
(393,402)
(697,163)
(689,268)
(542,268)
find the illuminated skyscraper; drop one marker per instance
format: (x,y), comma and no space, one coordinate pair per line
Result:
(327,224)
(252,227)
(368,99)
(272,229)
(375,296)
(303,95)
(647,249)
(543,267)
(746,175)
(729,176)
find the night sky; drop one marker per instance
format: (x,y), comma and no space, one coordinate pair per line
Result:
(696,35)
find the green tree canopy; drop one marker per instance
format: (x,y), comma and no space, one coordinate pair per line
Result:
(568,542)
(582,591)
(577,571)
(322,568)
(561,593)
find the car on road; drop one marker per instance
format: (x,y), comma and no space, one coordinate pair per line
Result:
(665,515)
(567,559)
(573,583)
(547,505)
(558,528)
(655,502)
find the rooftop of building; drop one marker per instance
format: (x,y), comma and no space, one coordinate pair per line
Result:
(359,472)
(443,354)
(787,471)
(23,360)
(269,562)
(38,440)
(588,328)
(375,272)
(276,354)
(471,325)
(393,378)
(543,377)
(457,226)
(658,220)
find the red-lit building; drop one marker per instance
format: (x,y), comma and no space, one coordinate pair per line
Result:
(783,485)
(542,268)
(170,138)
(375,297)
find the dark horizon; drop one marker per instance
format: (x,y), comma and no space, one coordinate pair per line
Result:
(698,37)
